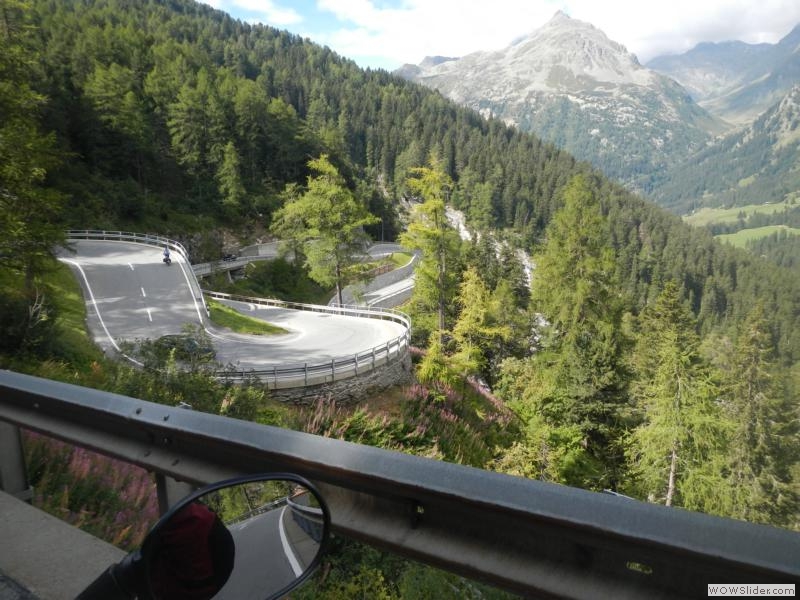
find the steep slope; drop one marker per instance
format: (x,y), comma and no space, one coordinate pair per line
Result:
(733,80)
(573,86)
(130,108)
(709,68)
(756,165)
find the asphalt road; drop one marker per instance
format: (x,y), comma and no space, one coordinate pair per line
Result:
(262,565)
(132,294)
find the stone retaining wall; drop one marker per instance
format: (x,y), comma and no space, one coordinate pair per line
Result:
(353,389)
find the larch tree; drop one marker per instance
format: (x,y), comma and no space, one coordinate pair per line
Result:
(579,376)
(30,227)
(477,330)
(328,219)
(29,230)
(430,232)
(229,179)
(676,453)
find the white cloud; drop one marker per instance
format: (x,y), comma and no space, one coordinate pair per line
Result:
(649,28)
(457,27)
(425,27)
(409,30)
(264,11)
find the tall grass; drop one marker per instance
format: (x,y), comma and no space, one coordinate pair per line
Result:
(111,499)
(434,421)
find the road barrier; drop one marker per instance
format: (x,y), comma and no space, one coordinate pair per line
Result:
(336,369)
(288,375)
(530,537)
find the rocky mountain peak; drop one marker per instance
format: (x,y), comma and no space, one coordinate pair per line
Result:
(564,55)
(580,49)
(736,81)
(572,85)
(432,61)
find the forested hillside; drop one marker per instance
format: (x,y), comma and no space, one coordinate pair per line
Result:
(756,165)
(169,109)
(646,358)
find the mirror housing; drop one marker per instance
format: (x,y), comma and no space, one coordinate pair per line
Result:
(255,537)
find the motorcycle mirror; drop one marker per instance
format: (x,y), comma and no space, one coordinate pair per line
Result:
(248,538)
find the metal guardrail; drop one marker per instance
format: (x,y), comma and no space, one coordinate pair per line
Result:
(289,375)
(271,251)
(127,236)
(305,374)
(309,519)
(533,538)
(383,280)
(140,238)
(220,266)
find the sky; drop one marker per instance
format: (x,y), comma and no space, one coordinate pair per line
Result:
(389,33)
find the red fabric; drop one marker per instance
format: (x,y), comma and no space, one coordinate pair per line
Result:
(182,567)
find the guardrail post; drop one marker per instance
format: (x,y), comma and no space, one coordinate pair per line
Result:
(305,379)
(333,369)
(13,474)
(169,491)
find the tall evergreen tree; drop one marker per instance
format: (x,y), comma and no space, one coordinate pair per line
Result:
(230,180)
(476,332)
(332,221)
(678,450)
(764,443)
(436,277)
(29,210)
(581,372)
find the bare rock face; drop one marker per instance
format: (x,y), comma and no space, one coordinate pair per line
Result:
(734,80)
(571,85)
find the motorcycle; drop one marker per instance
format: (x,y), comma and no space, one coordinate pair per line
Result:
(247,538)
(167,260)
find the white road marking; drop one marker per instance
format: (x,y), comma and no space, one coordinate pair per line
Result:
(143,294)
(287,547)
(97,310)
(131,266)
(194,297)
(149,315)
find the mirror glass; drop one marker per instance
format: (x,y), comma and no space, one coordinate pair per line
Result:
(246,541)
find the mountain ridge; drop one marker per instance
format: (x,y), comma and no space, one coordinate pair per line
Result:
(756,164)
(572,85)
(734,80)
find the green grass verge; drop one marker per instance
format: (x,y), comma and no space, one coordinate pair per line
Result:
(225,316)
(740,238)
(400,259)
(710,216)
(73,342)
